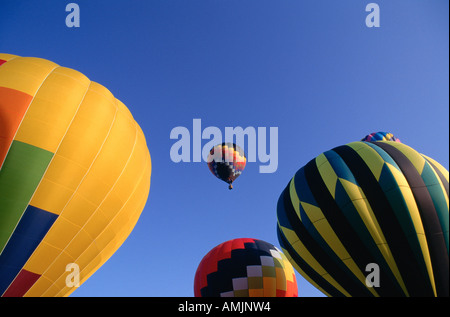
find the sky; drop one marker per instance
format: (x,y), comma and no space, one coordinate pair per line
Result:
(311,68)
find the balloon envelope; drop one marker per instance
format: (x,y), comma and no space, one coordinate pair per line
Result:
(245,268)
(380,136)
(368,212)
(74,176)
(226,161)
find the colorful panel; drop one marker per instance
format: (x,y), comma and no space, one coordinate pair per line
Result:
(31,229)
(20,175)
(13,105)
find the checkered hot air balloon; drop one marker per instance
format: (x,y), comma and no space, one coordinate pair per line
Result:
(369,207)
(227,161)
(74,176)
(245,268)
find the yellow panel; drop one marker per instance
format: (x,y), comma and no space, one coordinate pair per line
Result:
(281,277)
(321,224)
(42,257)
(426,257)
(56,287)
(111,160)
(51,196)
(327,173)
(78,210)
(80,146)
(38,288)
(96,224)
(90,127)
(61,233)
(131,210)
(7,57)
(370,156)
(89,256)
(79,243)
(53,109)
(287,268)
(113,236)
(25,74)
(58,266)
(133,170)
(330,237)
(112,205)
(124,109)
(294,198)
(65,172)
(270,284)
(104,238)
(314,213)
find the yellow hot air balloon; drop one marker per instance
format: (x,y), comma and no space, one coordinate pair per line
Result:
(74,176)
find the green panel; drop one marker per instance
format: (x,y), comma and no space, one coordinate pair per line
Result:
(19,177)
(438,195)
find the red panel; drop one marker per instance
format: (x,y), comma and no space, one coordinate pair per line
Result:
(13,106)
(2,61)
(22,283)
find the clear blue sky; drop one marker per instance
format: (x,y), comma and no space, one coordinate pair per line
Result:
(311,68)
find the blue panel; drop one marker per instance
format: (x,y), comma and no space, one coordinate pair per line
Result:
(340,167)
(30,231)
(302,188)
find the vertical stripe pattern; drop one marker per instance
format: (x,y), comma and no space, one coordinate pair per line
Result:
(368,203)
(74,178)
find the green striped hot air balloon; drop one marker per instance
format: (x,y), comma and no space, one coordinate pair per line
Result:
(366,212)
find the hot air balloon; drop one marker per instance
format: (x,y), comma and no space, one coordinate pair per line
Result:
(368,219)
(380,136)
(74,178)
(227,161)
(245,268)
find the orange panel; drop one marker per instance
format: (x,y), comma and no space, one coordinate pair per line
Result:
(13,106)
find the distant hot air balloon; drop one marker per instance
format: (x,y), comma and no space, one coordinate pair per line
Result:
(380,136)
(227,161)
(245,268)
(74,176)
(368,219)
